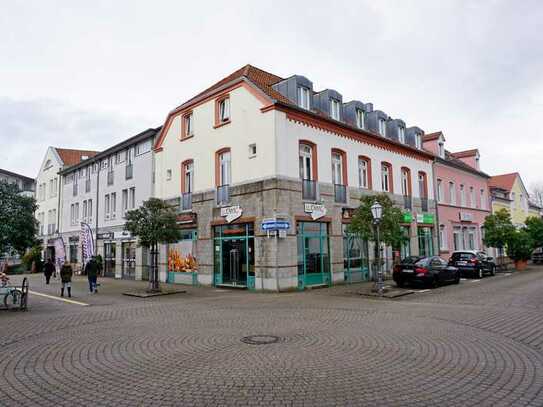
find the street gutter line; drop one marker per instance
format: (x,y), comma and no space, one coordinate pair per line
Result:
(59,298)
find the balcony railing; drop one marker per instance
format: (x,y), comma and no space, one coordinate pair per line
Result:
(87,185)
(223,195)
(74,189)
(407,202)
(424,204)
(110,177)
(340,193)
(129,171)
(186,201)
(309,190)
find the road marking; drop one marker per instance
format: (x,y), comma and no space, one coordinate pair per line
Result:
(423,291)
(475,281)
(507,274)
(52,297)
(463,279)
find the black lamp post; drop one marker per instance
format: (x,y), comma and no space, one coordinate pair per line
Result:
(377,213)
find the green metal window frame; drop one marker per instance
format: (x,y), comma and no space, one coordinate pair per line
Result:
(360,273)
(218,255)
(425,238)
(324,277)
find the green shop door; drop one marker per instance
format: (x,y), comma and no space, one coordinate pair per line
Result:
(234,256)
(313,254)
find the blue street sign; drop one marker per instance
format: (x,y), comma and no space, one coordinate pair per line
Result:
(275,225)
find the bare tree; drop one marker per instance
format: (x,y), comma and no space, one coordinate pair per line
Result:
(536,193)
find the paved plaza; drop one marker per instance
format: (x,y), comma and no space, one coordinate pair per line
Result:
(476,344)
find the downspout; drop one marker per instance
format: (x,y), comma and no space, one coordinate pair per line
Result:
(437,203)
(97,204)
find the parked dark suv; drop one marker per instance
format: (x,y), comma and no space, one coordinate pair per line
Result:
(473,263)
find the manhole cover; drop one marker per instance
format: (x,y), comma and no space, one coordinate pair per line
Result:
(260,339)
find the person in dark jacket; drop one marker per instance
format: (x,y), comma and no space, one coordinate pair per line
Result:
(92,274)
(66,274)
(48,270)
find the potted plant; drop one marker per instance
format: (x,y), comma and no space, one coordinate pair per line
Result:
(519,248)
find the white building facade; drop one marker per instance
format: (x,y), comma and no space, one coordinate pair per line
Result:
(255,149)
(98,192)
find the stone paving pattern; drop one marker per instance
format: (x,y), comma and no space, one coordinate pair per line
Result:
(475,344)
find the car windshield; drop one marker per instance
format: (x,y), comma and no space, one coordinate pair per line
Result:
(411,259)
(423,261)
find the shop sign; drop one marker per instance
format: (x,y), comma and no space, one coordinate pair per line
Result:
(408,217)
(125,234)
(231,213)
(316,211)
(104,236)
(465,217)
(425,218)
(275,224)
(73,239)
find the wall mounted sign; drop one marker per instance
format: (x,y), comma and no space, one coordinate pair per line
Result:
(125,234)
(275,224)
(408,217)
(231,213)
(425,218)
(73,239)
(104,236)
(316,211)
(465,216)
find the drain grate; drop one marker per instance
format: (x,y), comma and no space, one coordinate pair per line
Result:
(260,339)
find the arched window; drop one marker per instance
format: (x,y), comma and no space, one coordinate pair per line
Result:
(423,185)
(187,176)
(386,177)
(339,167)
(307,156)
(364,172)
(406,181)
(223,167)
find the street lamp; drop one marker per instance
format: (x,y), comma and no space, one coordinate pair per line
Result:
(377,213)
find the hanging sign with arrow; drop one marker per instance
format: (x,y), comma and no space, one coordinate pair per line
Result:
(231,213)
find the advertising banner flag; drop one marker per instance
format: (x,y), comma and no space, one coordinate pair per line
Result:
(87,243)
(60,252)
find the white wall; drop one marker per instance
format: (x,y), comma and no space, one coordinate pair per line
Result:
(289,133)
(44,176)
(248,125)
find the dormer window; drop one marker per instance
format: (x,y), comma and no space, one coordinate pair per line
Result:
(441,149)
(360,119)
(418,141)
(303,97)
(382,127)
(401,134)
(334,109)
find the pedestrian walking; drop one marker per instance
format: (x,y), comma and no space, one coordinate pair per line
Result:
(66,274)
(48,270)
(92,274)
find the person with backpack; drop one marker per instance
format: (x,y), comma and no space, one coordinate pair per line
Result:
(66,274)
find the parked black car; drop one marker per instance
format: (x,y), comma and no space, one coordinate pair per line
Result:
(537,256)
(473,263)
(429,271)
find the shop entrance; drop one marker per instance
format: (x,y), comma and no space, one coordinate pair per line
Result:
(109,259)
(355,257)
(234,255)
(313,254)
(129,260)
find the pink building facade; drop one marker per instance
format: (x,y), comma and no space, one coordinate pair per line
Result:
(462,195)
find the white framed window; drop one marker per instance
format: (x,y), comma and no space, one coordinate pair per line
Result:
(462,196)
(452,193)
(252,150)
(439,190)
(422,185)
(106,207)
(401,134)
(306,162)
(441,149)
(84,211)
(189,125)
(483,199)
(385,178)
(124,200)
(334,109)
(337,169)
(405,182)
(513,200)
(443,244)
(224,110)
(77,213)
(113,205)
(360,119)
(132,198)
(143,147)
(168,175)
(189,177)
(303,97)
(418,141)
(473,200)
(89,210)
(382,127)
(363,173)
(457,239)
(225,169)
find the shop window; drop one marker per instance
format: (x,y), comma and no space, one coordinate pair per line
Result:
(426,247)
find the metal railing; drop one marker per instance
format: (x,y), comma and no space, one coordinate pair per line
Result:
(309,190)
(110,177)
(340,193)
(407,202)
(186,201)
(129,171)
(223,195)
(424,204)
(87,185)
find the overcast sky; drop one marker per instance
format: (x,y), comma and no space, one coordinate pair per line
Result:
(88,74)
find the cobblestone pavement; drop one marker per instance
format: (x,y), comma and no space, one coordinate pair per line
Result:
(476,344)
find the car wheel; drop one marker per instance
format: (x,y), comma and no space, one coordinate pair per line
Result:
(457,279)
(435,282)
(493,271)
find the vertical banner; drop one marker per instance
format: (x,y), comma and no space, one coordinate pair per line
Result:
(87,243)
(60,252)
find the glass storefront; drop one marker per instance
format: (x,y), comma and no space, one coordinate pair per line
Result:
(355,257)
(233,249)
(129,260)
(109,259)
(313,254)
(426,243)
(405,248)
(73,252)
